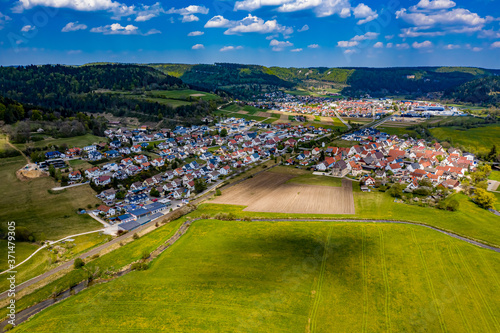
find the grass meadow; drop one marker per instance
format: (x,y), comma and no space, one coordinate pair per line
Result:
(30,205)
(295,277)
(479,139)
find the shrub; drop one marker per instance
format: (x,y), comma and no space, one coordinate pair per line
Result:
(135,236)
(145,255)
(78,263)
(139,266)
(218,193)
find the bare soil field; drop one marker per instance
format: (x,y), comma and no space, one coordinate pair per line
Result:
(242,112)
(269,192)
(263,114)
(327,120)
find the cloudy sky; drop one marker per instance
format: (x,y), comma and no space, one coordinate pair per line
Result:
(334,33)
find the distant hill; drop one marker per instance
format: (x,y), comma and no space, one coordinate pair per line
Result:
(97,88)
(484,91)
(248,80)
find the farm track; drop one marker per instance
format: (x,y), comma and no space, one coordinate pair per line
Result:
(451,255)
(429,282)
(365,279)
(386,282)
(319,286)
(482,297)
(452,288)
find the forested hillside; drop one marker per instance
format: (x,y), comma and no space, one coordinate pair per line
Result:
(113,88)
(484,91)
(248,80)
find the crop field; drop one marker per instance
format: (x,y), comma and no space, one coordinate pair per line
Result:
(29,204)
(276,192)
(234,276)
(479,139)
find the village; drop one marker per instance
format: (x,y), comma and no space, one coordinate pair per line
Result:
(143,173)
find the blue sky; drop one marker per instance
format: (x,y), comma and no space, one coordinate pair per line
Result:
(299,33)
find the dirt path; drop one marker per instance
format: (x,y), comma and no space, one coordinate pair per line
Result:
(19,150)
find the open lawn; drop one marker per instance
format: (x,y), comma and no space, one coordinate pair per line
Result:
(479,139)
(495,175)
(31,206)
(278,192)
(76,141)
(295,277)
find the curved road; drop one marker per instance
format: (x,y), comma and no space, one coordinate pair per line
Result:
(128,235)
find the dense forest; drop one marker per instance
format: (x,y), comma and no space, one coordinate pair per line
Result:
(94,88)
(484,91)
(249,80)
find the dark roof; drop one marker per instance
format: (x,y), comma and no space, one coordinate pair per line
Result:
(129,225)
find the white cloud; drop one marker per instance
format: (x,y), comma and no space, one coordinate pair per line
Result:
(423,45)
(304,28)
(198,47)
(368,35)
(344,43)
(152,32)
(389,45)
(218,22)
(3,19)
(321,8)
(365,13)
(188,12)
(230,48)
(495,45)
(190,18)
(116,29)
(195,33)
(146,13)
(118,9)
(378,45)
(70,52)
(27,28)
(313,46)
(389,37)
(477,49)
(349,51)
(489,34)
(451,47)
(296,50)
(279,45)
(73,26)
(248,24)
(434,4)
(438,18)
(403,46)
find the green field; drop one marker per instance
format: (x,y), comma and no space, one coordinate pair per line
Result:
(185,94)
(479,139)
(469,220)
(495,175)
(295,277)
(399,131)
(76,141)
(30,205)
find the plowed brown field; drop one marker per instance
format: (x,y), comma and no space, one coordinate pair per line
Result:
(269,192)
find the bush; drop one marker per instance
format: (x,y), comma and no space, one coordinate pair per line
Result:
(139,266)
(135,236)
(78,263)
(8,327)
(225,217)
(218,193)
(145,255)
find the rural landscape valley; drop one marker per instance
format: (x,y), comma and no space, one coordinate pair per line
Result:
(249,166)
